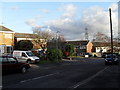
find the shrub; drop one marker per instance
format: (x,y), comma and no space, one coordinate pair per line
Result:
(54,54)
(24,45)
(70,49)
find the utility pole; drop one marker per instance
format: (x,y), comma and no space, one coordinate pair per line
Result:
(111,32)
(119,25)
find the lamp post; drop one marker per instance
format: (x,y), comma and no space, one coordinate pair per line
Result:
(57,42)
(57,39)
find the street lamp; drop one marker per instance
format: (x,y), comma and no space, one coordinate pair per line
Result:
(57,39)
(57,42)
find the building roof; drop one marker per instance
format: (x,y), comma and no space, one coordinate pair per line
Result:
(25,35)
(82,42)
(2,28)
(104,44)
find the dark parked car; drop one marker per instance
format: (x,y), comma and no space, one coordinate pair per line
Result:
(10,64)
(111,59)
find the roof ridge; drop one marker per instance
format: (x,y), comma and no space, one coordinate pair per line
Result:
(3,28)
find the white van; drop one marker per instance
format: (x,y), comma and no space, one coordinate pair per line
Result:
(26,56)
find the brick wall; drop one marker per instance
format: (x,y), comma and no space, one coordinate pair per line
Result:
(89,47)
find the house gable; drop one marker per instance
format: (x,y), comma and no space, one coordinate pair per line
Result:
(89,47)
(4,29)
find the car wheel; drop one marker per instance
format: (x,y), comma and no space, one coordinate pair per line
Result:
(116,63)
(23,69)
(29,61)
(106,63)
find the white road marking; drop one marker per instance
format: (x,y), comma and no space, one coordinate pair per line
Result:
(88,79)
(38,77)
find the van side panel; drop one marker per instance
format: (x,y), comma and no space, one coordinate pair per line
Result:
(16,54)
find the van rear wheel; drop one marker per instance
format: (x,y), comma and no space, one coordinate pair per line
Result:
(29,61)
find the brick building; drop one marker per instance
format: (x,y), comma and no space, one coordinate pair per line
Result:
(6,40)
(80,47)
(32,37)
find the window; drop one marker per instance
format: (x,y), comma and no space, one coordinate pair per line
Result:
(8,36)
(3,60)
(82,47)
(0,59)
(11,60)
(24,55)
(30,54)
(77,47)
(98,48)
(9,49)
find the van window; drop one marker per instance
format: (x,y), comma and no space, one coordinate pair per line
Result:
(29,53)
(23,55)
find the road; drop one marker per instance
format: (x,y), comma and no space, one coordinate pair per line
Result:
(74,74)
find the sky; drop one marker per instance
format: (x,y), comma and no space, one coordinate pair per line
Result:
(69,18)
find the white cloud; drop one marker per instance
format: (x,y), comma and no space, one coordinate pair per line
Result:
(46,29)
(14,8)
(60,0)
(32,23)
(44,10)
(69,10)
(114,7)
(38,17)
(96,19)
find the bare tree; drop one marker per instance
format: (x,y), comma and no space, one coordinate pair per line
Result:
(47,36)
(100,37)
(42,34)
(41,38)
(61,38)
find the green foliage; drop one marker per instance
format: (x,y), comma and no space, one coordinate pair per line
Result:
(70,49)
(24,45)
(73,54)
(45,62)
(54,54)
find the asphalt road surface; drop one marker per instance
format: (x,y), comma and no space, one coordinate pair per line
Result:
(74,74)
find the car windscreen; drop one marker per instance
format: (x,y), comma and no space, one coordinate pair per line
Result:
(30,54)
(111,57)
